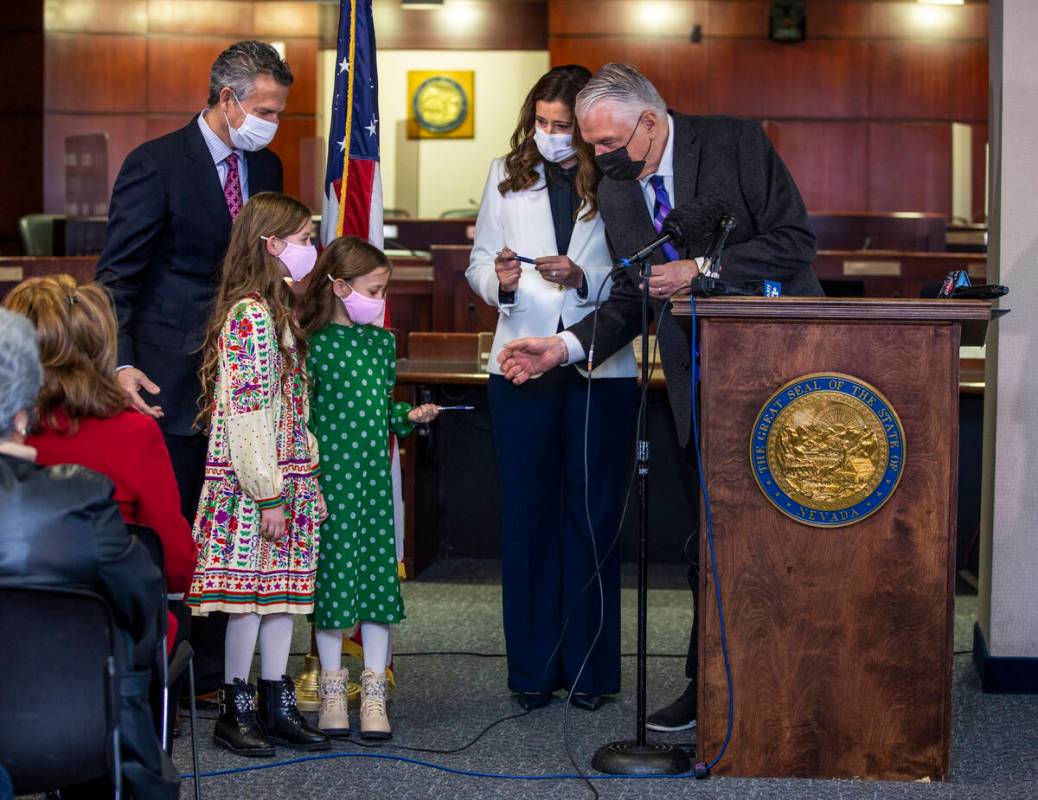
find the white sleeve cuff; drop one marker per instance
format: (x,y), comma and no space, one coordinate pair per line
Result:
(574,349)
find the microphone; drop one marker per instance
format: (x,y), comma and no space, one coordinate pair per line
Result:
(724,227)
(686,224)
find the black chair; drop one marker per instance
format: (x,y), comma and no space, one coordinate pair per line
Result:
(59,698)
(172,668)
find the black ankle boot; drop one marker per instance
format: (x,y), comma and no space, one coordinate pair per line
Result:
(237,727)
(282,720)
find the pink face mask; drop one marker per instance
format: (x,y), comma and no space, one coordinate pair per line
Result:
(298,259)
(361,309)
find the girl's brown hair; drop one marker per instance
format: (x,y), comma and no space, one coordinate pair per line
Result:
(558,84)
(77,330)
(344,259)
(248,269)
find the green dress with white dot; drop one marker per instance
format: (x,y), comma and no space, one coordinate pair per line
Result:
(352,373)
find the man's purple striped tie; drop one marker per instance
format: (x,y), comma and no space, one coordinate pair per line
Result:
(660,210)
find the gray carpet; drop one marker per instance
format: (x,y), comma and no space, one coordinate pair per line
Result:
(443,701)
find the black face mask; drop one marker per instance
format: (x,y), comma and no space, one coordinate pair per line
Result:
(618,165)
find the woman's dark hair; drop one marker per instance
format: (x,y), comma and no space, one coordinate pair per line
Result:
(557,84)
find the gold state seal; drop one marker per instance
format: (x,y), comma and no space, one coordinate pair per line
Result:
(827,449)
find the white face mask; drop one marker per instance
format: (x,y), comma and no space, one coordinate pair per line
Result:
(254,133)
(557,147)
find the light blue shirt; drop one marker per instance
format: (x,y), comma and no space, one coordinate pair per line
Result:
(219,150)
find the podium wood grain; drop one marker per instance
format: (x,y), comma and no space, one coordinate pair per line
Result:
(840,639)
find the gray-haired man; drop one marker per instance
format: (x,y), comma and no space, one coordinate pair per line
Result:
(653,160)
(168,227)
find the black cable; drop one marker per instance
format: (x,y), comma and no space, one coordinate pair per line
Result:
(451,751)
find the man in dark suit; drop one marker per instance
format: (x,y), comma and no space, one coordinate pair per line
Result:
(653,160)
(168,227)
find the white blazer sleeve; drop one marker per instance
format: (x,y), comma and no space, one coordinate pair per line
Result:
(595,276)
(488,241)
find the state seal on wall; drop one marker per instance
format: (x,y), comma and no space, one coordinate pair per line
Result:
(827,450)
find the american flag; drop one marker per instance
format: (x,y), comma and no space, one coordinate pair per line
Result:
(353,182)
(353,179)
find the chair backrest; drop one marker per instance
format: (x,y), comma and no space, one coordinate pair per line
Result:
(56,703)
(37,233)
(152,543)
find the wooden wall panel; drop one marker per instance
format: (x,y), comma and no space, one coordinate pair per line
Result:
(910,167)
(92,16)
(929,80)
(910,20)
(138,69)
(219,17)
(837,19)
(301,55)
(828,161)
(762,79)
(277,20)
(458,25)
(178,71)
(663,17)
(680,73)
(911,67)
(286,145)
(125,131)
(94,72)
(748,18)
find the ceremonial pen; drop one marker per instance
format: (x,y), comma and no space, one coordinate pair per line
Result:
(456,408)
(523,259)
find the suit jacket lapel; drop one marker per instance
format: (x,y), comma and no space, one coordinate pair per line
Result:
(205,177)
(686,159)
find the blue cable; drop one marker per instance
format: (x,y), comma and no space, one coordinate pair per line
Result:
(430,765)
(694,371)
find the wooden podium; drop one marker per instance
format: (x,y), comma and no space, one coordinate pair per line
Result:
(839,623)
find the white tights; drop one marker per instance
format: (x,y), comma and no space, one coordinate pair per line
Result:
(376,638)
(275,639)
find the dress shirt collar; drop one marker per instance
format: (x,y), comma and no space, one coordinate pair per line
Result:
(666,165)
(218,148)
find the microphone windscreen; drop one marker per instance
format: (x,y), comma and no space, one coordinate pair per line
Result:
(689,223)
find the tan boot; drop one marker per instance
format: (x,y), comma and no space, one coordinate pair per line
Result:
(374,721)
(334,720)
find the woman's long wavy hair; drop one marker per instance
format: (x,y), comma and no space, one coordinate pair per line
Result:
(249,270)
(344,259)
(558,84)
(76,330)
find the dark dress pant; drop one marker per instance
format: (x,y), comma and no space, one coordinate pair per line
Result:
(553,605)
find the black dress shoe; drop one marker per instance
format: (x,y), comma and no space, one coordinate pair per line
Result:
(237,728)
(586,701)
(679,715)
(282,720)
(533,700)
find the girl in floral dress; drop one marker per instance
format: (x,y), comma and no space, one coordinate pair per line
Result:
(352,367)
(258,516)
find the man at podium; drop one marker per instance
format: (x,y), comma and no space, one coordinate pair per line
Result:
(653,160)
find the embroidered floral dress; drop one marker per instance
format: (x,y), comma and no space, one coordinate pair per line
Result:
(260,456)
(352,373)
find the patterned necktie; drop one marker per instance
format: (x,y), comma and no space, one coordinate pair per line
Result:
(660,209)
(232,187)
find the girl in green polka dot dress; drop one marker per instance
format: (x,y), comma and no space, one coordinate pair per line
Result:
(352,368)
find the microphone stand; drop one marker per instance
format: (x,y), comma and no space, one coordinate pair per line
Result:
(640,756)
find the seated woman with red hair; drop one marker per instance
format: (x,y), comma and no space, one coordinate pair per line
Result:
(81,415)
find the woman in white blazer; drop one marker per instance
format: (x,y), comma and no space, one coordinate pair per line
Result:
(539,203)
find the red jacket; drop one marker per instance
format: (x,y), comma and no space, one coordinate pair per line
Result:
(128,448)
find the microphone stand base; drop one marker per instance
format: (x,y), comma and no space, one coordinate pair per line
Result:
(650,758)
